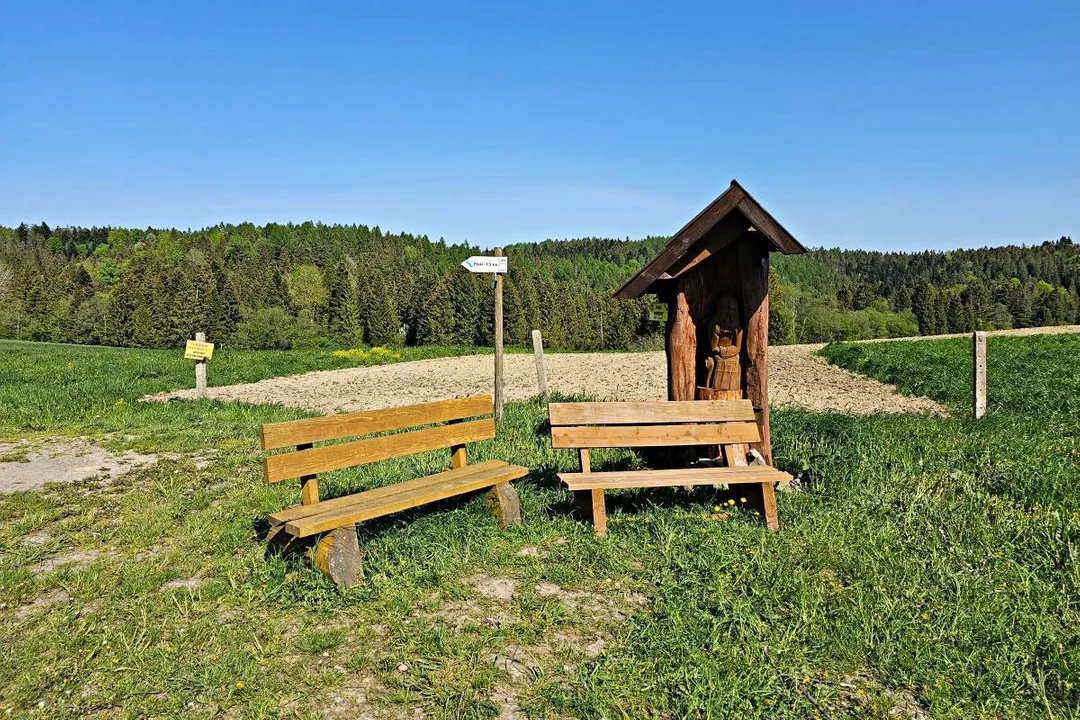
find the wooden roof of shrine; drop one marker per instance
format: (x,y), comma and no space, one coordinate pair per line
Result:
(726,219)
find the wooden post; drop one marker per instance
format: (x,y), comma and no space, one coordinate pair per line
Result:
(200,371)
(754,267)
(309,484)
(978,346)
(498,343)
(541,372)
(681,348)
(590,503)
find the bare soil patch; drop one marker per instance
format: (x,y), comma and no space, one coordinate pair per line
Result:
(32,466)
(797,377)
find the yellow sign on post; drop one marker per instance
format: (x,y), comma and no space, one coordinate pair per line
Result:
(195,350)
(658,311)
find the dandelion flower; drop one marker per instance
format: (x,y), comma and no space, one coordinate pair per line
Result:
(731,502)
(742,500)
(239,684)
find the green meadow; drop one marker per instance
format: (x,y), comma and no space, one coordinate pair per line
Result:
(926,568)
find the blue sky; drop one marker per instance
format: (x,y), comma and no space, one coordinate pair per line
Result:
(875,125)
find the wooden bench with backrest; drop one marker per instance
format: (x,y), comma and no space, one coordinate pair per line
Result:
(337,553)
(725,426)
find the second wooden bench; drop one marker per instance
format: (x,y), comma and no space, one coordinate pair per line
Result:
(726,425)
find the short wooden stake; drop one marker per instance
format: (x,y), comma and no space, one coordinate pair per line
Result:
(541,371)
(978,342)
(337,555)
(503,499)
(200,371)
(498,342)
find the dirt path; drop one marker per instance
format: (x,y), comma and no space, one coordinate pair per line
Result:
(796,377)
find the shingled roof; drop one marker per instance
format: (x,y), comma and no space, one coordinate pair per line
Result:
(727,212)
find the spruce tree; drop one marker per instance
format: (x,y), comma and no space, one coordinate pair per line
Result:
(225,311)
(343,311)
(435,321)
(467,307)
(383,324)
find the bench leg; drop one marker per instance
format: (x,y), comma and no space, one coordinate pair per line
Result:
(337,554)
(590,504)
(768,496)
(504,503)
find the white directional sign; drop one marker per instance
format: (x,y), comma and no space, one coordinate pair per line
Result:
(485,264)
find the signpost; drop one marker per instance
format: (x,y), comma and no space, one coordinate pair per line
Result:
(200,351)
(486,263)
(978,345)
(496,264)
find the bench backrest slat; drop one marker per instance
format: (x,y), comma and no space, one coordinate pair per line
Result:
(650,413)
(342,455)
(586,436)
(366,422)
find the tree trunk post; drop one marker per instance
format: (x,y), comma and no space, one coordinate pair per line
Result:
(681,348)
(200,371)
(541,371)
(754,266)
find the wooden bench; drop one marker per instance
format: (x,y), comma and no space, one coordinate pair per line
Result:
(724,426)
(333,522)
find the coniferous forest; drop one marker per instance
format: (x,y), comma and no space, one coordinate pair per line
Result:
(288,286)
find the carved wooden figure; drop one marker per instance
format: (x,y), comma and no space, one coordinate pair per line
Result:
(723,370)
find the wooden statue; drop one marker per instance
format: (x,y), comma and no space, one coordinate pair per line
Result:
(723,368)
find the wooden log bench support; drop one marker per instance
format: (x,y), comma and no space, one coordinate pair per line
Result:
(725,424)
(327,528)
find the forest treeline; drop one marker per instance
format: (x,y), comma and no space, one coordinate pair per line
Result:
(296,285)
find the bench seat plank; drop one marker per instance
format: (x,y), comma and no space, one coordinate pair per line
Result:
(399,496)
(300,511)
(670,478)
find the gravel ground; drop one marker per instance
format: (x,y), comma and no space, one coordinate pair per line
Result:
(796,377)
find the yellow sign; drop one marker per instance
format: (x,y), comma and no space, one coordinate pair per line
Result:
(658,311)
(196,350)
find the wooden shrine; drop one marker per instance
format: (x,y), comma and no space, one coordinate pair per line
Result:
(714,276)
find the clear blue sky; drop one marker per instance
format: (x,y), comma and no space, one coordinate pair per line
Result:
(862,124)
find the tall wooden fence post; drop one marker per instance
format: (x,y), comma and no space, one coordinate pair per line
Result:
(200,371)
(978,345)
(498,342)
(541,371)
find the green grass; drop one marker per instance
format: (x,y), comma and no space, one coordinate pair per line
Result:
(1033,375)
(929,561)
(45,388)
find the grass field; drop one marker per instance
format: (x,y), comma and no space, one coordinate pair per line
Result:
(928,569)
